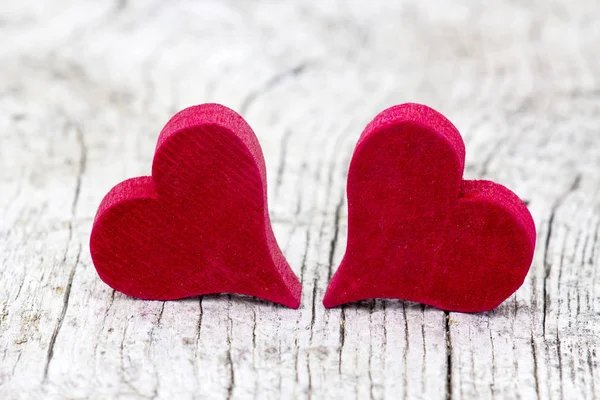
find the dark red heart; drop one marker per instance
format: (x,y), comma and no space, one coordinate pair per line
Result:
(417,231)
(200,223)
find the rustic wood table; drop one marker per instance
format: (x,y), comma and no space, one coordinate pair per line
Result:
(86,86)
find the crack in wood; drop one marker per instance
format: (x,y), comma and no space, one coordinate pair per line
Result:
(156,388)
(309,391)
(590,365)
(547,264)
(494,152)
(594,246)
(448,356)
(125,378)
(61,317)
(560,364)
(253,331)
(229,359)
(197,341)
(535,368)
(103,325)
(302,275)
(81,170)
(287,134)
(342,336)
(270,84)
(334,238)
(493,352)
(313,305)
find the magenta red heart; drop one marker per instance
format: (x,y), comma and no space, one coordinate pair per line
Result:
(416,230)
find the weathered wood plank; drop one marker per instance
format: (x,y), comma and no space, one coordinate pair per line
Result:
(85,89)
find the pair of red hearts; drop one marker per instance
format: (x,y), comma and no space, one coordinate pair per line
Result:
(417,231)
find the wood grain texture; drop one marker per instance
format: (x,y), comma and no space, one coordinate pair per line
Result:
(85,87)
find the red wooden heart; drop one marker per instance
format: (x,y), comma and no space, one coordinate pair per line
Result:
(200,223)
(417,231)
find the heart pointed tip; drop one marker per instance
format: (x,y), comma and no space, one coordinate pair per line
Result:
(296,297)
(330,300)
(290,293)
(291,301)
(294,304)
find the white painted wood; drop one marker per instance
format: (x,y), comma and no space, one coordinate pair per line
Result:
(85,87)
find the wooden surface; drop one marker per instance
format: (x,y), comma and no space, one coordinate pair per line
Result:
(85,88)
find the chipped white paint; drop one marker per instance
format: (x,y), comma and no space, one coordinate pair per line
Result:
(85,88)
